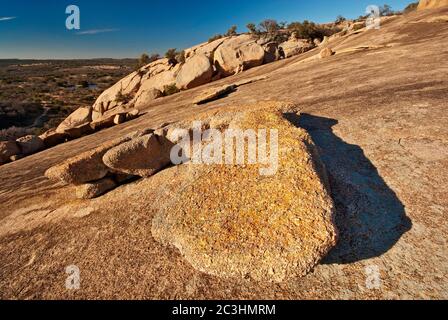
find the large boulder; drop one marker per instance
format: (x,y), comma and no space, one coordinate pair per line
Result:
(79,131)
(156,75)
(206,49)
(237,54)
(294,46)
(52,138)
(79,117)
(431,4)
(108,99)
(143,97)
(195,72)
(30,144)
(231,221)
(85,167)
(271,52)
(7,150)
(141,156)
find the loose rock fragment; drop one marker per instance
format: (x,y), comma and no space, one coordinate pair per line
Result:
(214,93)
(325,53)
(95,189)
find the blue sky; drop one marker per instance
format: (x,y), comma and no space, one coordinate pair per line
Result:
(113,28)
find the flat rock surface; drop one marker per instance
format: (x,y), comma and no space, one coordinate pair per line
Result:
(379,119)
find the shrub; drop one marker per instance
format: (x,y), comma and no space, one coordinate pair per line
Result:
(339,19)
(180,57)
(170,90)
(269,26)
(143,60)
(146,59)
(171,54)
(310,31)
(124,98)
(411,7)
(231,31)
(252,28)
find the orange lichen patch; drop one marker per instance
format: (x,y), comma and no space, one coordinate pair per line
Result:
(229,220)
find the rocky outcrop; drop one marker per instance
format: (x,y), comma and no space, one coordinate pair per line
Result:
(92,177)
(432,4)
(238,54)
(230,221)
(204,63)
(77,118)
(296,46)
(84,168)
(142,156)
(30,144)
(144,96)
(208,49)
(7,150)
(227,220)
(114,117)
(195,72)
(117,95)
(52,138)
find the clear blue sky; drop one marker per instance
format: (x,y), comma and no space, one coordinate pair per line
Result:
(36,28)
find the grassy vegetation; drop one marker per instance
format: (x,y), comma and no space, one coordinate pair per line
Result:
(29,87)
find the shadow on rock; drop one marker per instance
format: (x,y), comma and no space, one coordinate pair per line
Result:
(369,215)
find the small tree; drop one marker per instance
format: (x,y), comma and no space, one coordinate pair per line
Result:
(171,54)
(146,59)
(231,31)
(123,98)
(269,26)
(386,10)
(339,19)
(180,57)
(170,90)
(252,28)
(143,60)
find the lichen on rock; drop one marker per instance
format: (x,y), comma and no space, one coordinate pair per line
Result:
(230,221)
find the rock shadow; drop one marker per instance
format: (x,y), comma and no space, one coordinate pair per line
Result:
(369,216)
